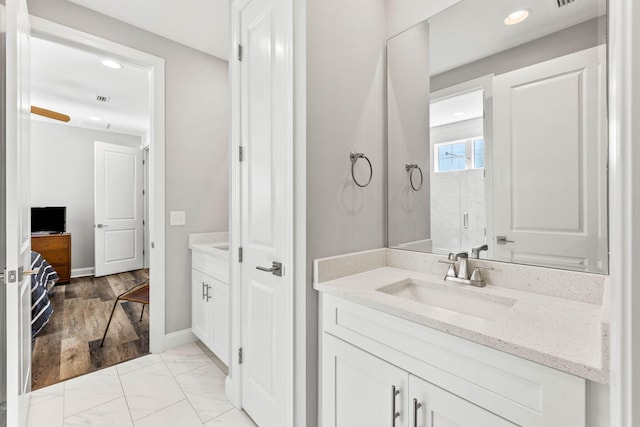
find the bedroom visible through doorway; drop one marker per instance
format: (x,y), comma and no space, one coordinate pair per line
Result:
(108,103)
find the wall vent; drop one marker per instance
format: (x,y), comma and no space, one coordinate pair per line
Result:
(101,98)
(562,3)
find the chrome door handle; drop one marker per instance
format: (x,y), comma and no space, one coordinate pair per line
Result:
(416,405)
(394,414)
(502,240)
(101,226)
(276,269)
(208,296)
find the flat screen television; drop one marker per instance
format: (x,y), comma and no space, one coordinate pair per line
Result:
(49,220)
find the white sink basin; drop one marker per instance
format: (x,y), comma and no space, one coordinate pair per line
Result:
(483,306)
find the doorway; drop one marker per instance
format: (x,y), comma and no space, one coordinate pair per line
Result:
(85,302)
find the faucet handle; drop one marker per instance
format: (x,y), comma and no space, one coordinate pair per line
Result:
(451,272)
(476,275)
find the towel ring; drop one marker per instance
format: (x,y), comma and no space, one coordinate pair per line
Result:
(354,158)
(410,168)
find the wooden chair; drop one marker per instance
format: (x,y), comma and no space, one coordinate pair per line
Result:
(138,293)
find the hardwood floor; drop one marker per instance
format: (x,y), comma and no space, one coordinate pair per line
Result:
(69,345)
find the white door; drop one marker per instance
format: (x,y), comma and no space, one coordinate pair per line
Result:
(119,212)
(16,225)
(360,390)
(431,406)
(267,212)
(550,155)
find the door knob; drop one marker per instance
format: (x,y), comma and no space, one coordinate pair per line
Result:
(276,269)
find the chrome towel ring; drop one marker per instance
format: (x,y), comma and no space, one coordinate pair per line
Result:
(410,168)
(354,158)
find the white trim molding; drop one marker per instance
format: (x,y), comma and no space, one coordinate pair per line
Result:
(179,338)
(624,196)
(82,272)
(69,36)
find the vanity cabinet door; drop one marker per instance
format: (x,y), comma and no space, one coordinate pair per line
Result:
(201,307)
(357,388)
(432,406)
(219,293)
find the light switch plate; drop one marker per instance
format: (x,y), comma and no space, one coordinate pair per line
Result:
(177,218)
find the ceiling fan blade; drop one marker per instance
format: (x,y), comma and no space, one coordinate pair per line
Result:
(49,113)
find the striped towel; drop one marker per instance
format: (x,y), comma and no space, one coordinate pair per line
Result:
(41,309)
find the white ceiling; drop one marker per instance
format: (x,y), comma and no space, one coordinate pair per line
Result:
(200,24)
(473,29)
(457,108)
(67,80)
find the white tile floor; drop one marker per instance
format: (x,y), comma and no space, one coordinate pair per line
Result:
(181,387)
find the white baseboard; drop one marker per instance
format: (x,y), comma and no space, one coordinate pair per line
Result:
(178,338)
(228,391)
(82,272)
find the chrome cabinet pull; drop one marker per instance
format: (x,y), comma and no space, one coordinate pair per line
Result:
(416,405)
(208,296)
(276,269)
(394,414)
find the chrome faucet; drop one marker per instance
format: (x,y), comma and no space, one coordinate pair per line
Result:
(475,251)
(462,276)
(463,272)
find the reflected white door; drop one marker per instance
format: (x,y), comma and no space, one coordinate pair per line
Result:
(550,156)
(119,208)
(16,224)
(267,212)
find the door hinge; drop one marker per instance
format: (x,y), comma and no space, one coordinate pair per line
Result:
(143,192)
(240,153)
(143,223)
(240,356)
(143,162)
(239,52)
(240,254)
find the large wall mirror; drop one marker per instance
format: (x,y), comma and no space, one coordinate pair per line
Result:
(497,133)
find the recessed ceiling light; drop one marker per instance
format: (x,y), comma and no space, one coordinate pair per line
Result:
(95,119)
(110,63)
(517,17)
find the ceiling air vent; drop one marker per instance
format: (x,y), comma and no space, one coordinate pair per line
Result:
(101,98)
(562,3)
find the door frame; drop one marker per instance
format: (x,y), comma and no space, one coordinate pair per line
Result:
(59,33)
(233,382)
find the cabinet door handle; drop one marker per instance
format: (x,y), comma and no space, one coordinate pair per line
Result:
(203,293)
(394,414)
(416,405)
(208,296)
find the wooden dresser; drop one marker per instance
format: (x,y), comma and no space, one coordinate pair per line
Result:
(56,249)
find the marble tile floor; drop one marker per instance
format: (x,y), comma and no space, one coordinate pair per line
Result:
(180,387)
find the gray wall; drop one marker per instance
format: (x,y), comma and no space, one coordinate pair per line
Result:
(573,39)
(408,135)
(404,14)
(197,132)
(62,169)
(345,83)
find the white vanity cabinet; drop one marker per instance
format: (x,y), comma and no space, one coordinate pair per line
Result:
(367,391)
(210,302)
(374,365)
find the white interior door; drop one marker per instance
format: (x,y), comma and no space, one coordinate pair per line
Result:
(119,211)
(267,212)
(550,156)
(16,226)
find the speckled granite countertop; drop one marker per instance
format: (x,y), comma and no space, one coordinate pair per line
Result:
(567,332)
(215,244)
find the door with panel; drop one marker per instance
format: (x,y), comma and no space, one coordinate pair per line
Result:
(432,406)
(119,205)
(16,237)
(266,171)
(360,389)
(550,145)
(201,307)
